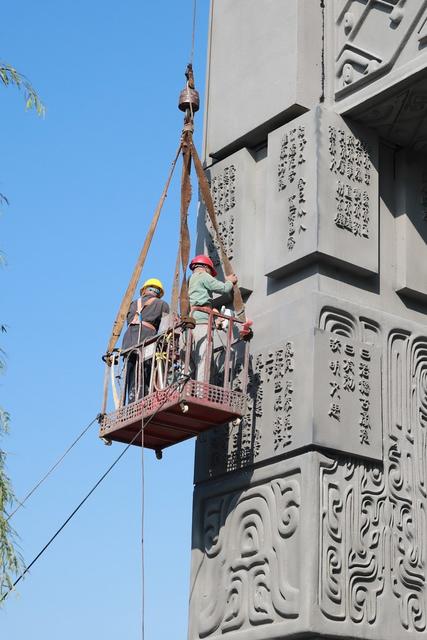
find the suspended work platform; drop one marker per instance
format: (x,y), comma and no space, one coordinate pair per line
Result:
(179,415)
(189,378)
(176,385)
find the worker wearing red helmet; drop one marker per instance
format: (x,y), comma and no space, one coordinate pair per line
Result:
(202,285)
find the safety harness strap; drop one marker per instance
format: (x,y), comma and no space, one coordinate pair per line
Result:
(140,308)
(205,191)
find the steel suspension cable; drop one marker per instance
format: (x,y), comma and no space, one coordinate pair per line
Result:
(193,32)
(50,470)
(142,522)
(175,285)
(124,306)
(175,385)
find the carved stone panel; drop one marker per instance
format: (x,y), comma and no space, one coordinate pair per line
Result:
(313,389)
(322,195)
(361,545)
(411,224)
(232,183)
(347,413)
(406,473)
(352,567)
(331,542)
(374,44)
(248,555)
(376,66)
(373,526)
(279,410)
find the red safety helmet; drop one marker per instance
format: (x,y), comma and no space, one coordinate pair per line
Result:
(205,261)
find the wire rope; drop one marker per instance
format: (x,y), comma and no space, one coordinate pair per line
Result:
(87,496)
(193,33)
(142,518)
(50,470)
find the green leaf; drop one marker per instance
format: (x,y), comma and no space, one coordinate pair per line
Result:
(9,75)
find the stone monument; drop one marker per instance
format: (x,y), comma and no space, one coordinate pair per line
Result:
(310,517)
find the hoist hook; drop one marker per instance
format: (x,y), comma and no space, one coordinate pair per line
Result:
(189,100)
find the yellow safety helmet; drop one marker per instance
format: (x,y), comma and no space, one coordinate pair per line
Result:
(153,282)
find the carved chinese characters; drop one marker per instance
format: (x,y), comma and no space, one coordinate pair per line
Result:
(312,389)
(223,190)
(283,397)
(291,156)
(268,427)
(296,215)
(322,195)
(347,411)
(244,436)
(364,389)
(232,186)
(344,380)
(289,177)
(350,162)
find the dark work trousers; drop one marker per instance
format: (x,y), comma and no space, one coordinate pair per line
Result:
(132,393)
(134,361)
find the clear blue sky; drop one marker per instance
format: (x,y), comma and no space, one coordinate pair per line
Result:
(82,185)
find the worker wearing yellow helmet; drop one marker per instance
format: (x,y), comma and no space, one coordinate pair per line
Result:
(154,284)
(143,320)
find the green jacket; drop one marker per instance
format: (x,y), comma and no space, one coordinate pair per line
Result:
(201,287)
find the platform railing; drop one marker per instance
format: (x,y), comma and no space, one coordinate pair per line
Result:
(158,362)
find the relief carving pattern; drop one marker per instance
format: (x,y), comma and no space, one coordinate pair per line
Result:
(248,540)
(386,25)
(406,477)
(352,503)
(373,521)
(372,517)
(352,562)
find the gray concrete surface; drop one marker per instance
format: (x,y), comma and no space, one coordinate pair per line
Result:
(310,516)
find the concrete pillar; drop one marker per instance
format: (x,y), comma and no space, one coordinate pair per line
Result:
(310,518)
